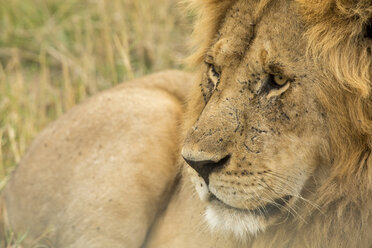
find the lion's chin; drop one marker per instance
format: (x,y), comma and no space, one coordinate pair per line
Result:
(242,223)
(234,221)
(228,220)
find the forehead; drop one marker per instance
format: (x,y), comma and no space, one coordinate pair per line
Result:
(251,25)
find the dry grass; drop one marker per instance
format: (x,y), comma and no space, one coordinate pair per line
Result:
(55,53)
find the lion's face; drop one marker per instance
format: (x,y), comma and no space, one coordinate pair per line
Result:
(259,132)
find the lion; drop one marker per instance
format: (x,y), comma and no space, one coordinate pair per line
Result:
(273,148)
(84,178)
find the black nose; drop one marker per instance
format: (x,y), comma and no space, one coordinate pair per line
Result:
(205,167)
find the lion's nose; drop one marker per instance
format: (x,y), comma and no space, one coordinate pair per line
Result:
(205,167)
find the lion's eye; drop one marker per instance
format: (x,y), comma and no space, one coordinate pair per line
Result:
(210,81)
(214,72)
(279,80)
(213,76)
(276,85)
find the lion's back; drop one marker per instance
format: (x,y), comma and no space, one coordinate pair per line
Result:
(104,168)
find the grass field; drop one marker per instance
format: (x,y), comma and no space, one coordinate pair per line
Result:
(56,53)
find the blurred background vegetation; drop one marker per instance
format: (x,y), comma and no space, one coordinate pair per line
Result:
(56,53)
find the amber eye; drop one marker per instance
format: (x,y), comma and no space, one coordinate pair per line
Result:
(279,80)
(276,85)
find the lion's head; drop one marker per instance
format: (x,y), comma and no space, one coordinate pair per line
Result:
(279,126)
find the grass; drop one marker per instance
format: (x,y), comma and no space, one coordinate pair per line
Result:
(56,53)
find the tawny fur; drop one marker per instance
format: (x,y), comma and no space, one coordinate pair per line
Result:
(336,45)
(89,180)
(317,130)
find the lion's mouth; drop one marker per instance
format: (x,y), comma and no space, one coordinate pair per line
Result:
(267,210)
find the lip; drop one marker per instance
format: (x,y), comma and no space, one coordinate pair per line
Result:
(266,210)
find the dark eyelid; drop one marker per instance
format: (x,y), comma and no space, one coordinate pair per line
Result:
(214,71)
(275,69)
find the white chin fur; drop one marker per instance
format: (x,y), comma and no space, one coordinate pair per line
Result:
(240,225)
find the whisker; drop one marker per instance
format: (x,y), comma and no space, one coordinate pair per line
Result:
(261,206)
(280,176)
(269,200)
(287,207)
(285,184)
